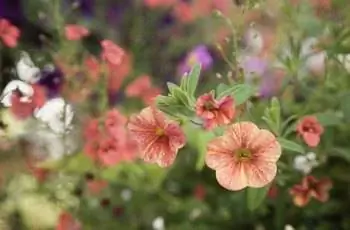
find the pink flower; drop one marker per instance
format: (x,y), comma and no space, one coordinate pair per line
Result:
(115,123)
(67,222)
(138,86)
(184,12)
(310,187)
(117,73)
(159,3)
(158,139)
(75,32)
(112,53)
(149,95)
(109,152)
(9,33)
(311,130)
(215,112)
(245,156)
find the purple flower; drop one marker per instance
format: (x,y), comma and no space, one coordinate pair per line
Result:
(271,82)
(52,80)
(200,54)
(253,66)
(11,9)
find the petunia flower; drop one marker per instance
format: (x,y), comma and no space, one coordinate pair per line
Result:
(109,152)
(311,130)
(215,112)
(158,138)
(117,73)
(67,222)
(75,32)
(245,156)
(199,55)
(111,52)
(310,187)
(115,123)
(9,34)
(142,87)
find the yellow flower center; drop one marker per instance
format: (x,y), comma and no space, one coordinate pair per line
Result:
(160,132)
(192,60)
(243,154)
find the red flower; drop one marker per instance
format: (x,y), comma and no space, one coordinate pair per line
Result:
(200,192)
(67,222)
(158,139)
(311,130)
(310,187)
(215,112)
(9,33)
(112,53)
(75,32)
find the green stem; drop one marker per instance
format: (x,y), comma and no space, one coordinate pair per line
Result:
(279,211)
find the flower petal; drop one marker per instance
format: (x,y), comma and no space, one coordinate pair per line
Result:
(232,177)
(265,146)
(260,174)
(219,153)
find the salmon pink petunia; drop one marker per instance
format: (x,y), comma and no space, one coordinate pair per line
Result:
(67,222)
(311,187)
(114,123)
(9,33)
(158,138)
(117,73)
(111,52)
(75,32)
(311,130)
(215,112)
(138,86)
(110,151)
(245,156)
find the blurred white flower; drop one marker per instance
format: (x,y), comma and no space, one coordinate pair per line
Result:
(314,58)
(126,194)
(254,41)
(50,145)
(305,163)
(26,70)
(56,114)
(25,89)
(289,227)
(345,60)
(158,223)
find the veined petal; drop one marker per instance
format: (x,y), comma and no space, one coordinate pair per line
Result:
(232,177)
(261,174)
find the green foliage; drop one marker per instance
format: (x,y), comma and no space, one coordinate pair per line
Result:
(290,145)
(255,196)
(272,116)
(240,92)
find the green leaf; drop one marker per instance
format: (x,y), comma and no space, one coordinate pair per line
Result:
(341,152)
(345,107)
(182,97)
(329,118)
(275,112)
(240,92)
(165,100)
(184,83)
(255,196)
(193,79)
(221,88)
(171,87)
(290,145)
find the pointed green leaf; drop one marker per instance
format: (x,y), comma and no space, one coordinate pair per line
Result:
(240,92)
(184,83)
(171,87)
(181,96)
(291,145)
(275,112)
(220,89)
(255,197)
(193,79)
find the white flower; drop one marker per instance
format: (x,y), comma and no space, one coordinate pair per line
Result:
(254,41)
(158,223)
(21,86)
(289,227)
(345,60)
(56,114)
(314,60)
(50,145)
(305,163)
(26,70)
(126,194)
